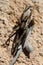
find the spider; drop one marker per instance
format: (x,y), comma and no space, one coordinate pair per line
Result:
(23,29)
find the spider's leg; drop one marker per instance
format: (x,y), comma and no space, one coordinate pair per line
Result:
(16,45)
(17,55)
(13,45)
(7,44)
(12,34)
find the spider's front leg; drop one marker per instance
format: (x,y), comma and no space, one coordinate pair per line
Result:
(6,44)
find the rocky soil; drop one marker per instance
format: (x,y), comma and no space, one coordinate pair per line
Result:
(10,12)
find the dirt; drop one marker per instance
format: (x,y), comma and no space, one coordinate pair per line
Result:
(10,12)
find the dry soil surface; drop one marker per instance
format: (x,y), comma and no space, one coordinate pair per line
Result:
(10,12)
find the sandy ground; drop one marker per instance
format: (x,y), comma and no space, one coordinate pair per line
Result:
(10,12)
